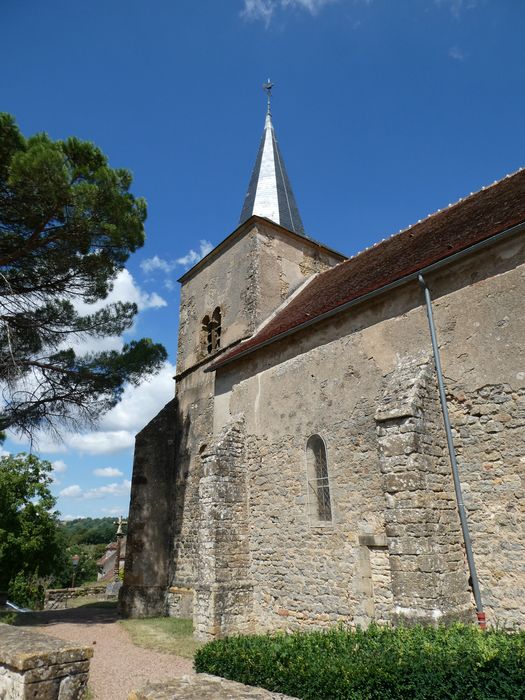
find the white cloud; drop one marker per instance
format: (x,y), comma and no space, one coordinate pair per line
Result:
(112,511)
(456,53)
(108,472)
(117,428)
(59,466)
(101,442)
(157,264)
(122,489)
(116,489)
(125,289)
(73,491)
(68,518)
(457,7)
(264,10)
(139,404)
(192,257)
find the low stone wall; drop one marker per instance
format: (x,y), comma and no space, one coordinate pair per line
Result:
(33,665)
(203,687)
(57,598)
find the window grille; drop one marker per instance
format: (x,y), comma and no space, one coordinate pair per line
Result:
(216,329)
(320,505)
(211,332)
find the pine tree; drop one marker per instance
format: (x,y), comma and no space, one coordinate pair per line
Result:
(68,223)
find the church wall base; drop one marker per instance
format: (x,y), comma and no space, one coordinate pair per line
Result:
(221,610)
(179,602)
(142,601)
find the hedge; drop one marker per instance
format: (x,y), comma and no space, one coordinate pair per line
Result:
(458,662)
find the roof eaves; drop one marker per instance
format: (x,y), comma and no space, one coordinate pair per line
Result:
(365,297)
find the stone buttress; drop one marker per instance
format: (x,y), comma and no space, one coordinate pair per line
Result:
(429,578)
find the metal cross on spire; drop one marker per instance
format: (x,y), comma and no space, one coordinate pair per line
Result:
(269,191)
(268,87)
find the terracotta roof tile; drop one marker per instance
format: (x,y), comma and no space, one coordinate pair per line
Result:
(469,221)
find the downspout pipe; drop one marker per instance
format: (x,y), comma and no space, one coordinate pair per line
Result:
(453,460)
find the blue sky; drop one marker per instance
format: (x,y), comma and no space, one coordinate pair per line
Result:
(385,111)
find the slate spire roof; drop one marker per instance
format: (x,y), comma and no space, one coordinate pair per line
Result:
(269,192)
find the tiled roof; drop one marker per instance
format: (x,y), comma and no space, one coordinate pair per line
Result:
(468,221)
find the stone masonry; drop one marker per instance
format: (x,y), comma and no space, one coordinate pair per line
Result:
(203,686)
(223,596)
(489,434)
(40,667)
(429,581)
(222,516)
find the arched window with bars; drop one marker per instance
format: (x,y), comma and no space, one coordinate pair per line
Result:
(319,501)
(216,321)
(210,335)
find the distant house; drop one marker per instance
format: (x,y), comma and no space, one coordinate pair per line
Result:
(106,563)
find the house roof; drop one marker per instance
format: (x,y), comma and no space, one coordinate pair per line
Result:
(441,235)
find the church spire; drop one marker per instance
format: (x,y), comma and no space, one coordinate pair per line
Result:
(269,192)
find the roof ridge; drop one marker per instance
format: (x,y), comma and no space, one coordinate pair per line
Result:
(450,206)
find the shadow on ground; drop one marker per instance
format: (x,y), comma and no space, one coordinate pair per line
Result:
(94,613)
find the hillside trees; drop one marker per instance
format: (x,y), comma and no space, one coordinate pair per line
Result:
(91,530)
(32,544)
(68,223)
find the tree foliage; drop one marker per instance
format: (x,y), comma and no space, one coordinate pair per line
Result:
(31,540)
(68,223)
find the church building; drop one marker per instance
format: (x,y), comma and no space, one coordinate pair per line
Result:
(305,472)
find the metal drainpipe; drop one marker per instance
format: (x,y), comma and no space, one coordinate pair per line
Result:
(452,452)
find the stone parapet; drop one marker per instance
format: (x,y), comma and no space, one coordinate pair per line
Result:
(57,598)
(35,665)
(202,686)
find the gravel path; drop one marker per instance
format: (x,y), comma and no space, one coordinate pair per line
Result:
(117,666)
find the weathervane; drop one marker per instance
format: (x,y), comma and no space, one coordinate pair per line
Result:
(268,87)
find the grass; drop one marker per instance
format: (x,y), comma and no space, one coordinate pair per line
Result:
(167,634)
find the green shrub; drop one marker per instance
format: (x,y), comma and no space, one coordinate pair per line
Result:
(418,663)
(27,590)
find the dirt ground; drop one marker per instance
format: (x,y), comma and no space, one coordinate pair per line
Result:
(117,666)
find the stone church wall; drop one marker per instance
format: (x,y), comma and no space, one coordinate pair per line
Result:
(331,380)
(490,440)
(393,547)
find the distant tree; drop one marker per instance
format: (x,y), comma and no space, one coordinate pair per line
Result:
(68,223)
(32,544)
